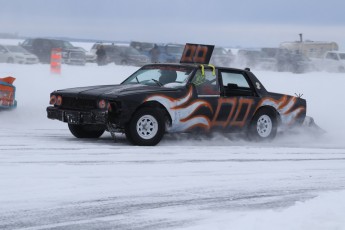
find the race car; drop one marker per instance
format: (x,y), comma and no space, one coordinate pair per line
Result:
(7,93)
(173,98)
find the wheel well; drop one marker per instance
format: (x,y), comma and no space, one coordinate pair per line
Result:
(157,105)
(271,109)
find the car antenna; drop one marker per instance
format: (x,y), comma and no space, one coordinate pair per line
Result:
(299,95)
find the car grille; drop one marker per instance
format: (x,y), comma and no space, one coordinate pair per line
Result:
(78,103)
(77,55)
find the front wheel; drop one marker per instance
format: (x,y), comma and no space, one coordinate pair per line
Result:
(146,127)
(263,126)
(86,131)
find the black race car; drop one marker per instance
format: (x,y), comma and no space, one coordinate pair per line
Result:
(170,98)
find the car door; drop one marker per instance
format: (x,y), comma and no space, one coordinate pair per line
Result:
(206,84)
(237,102)
(42,49)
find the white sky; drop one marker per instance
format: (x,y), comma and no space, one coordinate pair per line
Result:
(233,23)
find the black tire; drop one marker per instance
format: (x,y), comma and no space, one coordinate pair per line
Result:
(146,127)
(128,135)
(263,126)
(86,131)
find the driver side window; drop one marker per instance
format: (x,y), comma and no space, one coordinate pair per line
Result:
(206,84)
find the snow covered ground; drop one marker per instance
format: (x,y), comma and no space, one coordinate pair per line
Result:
(51,180)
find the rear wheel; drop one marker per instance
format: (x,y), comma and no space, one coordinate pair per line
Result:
(263,126)
(86,131)
(146,127)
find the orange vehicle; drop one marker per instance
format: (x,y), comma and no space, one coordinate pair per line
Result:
(7,93)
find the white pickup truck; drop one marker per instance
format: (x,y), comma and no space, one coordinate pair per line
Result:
(334,61)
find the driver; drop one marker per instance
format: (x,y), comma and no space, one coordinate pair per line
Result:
(167,76)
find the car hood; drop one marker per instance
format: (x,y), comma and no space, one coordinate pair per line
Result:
(111,91)
(73,49)
(23,54)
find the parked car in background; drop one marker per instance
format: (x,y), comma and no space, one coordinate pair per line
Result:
(126,55)
(288,61)
(170,53)
(275,59)
(16,54)
(89,56)
(42,48)
(7,93)
(121,54)
(333,61)
(142,47)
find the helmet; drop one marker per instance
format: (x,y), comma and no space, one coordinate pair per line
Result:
(167,76)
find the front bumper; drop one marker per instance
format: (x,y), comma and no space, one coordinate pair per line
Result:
(78,116)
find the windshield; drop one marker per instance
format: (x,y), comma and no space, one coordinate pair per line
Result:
(17,49)
(161,75)
(130,50)
(62,44)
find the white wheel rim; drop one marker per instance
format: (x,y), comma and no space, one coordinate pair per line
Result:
(264,126)
(147,127)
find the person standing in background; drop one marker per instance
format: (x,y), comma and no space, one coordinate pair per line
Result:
(154,52)
(101,55)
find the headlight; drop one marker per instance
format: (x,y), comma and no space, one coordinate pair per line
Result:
(55,100)
(19,57)
(59,100)
(52,100)
(102,104)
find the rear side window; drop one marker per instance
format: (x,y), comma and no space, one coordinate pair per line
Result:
(236,84)
(234,78)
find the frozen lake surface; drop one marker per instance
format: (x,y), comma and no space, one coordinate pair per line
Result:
(51,180)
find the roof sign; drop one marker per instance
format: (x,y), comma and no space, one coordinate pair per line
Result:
(197,53)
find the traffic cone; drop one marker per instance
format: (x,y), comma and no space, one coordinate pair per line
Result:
(55,61)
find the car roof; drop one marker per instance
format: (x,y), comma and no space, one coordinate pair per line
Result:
(196,65)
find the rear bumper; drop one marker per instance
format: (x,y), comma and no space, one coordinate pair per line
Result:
(77,116)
